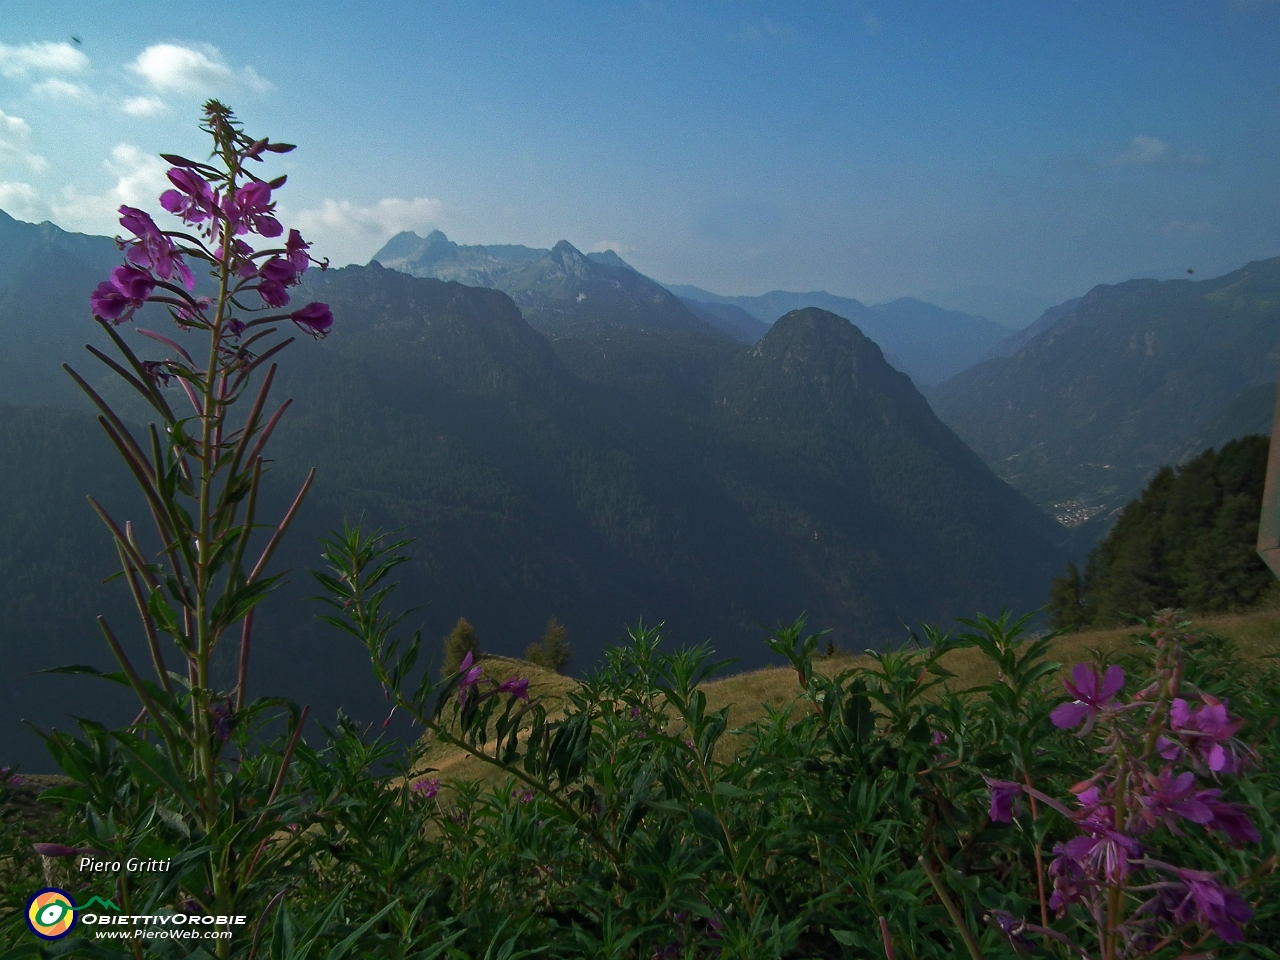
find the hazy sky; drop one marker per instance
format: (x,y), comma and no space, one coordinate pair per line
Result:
(873,150)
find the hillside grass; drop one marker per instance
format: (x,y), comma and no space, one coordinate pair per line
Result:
(748,694)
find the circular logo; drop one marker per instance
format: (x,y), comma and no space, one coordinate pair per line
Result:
(51,913)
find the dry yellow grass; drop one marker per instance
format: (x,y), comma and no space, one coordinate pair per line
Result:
(747,694)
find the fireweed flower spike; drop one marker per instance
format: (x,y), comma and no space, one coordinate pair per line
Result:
(1091,695)
(200,474)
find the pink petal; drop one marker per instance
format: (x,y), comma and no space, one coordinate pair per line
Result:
(1111,683)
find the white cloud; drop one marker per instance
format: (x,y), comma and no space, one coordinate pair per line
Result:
(21,200)
(19,62)
(1144,150)
(388,216)
(347,233)
(621,249)
(140,179)
(198,71)
(56,88)
(15,144)
(144,106)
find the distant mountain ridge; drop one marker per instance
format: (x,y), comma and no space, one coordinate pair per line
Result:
(553,288)
(1129,378)
(926,341)
(1020,338)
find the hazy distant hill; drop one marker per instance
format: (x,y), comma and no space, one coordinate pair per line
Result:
(1020,338)
(1132,377)
(735,321)
(46,275)
(929,343)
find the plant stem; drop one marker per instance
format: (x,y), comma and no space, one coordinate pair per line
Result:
(971,944)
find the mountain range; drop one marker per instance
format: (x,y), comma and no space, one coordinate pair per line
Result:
(599,470)
(563,285)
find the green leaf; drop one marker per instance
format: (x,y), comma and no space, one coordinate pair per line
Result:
(153,767)
(163,614)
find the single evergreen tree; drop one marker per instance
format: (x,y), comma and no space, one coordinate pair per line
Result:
(461,641)
(1067,610)
(553,652)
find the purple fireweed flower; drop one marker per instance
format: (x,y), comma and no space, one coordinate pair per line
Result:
(108,303)
(295,249)
(1210,726)
(1168,798)
(273,294)
(250,211)
(470,677)
(134,283)
(1171,750)
(315,318)
(156,372)
(1230,818)
(221,713)
(938,738)
(426,788)
(518,687)
(274,276)
(472,674)
(194,200)
(1091,694)
(1068,881)
(1105,854)
(235,327)
(525,797)
(281,271)
(152,250)
(1006,800)
(1213,905)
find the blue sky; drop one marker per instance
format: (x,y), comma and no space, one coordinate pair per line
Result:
(948,150)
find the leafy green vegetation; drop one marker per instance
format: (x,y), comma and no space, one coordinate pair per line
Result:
(1189,541)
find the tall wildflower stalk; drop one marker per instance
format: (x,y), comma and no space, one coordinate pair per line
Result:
(200,471)
(1167,752)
